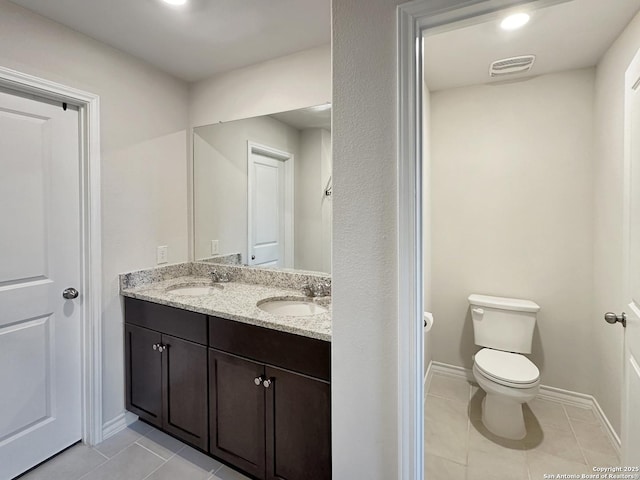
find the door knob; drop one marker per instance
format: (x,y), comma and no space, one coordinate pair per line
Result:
(70,293)
(155,346)
(267,383)
(253,257)
(612,318)
(258,380)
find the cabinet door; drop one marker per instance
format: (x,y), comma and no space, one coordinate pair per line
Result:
(143,367)
(236,412)
(184,384)
(298,427)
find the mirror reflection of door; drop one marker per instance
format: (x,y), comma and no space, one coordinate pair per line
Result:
(270,212)
(297,236)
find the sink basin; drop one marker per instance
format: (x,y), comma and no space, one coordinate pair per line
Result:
(194,290)
(291,307)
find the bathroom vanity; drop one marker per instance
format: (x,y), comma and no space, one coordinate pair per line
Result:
(249,387)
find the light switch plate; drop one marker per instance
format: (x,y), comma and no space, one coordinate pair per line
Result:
(162,254)
(214,247)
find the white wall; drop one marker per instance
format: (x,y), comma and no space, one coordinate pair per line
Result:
(365,320)
(220,179)
(285,83)
(313,167)
(512,215)
(143,122)
(607,351)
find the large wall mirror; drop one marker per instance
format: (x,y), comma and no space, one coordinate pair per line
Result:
(262,189)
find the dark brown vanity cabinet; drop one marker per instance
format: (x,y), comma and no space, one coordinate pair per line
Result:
(272,422)
(256,398)
(166,373)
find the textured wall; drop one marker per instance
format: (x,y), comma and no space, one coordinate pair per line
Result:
(608,195)
(512,203)
(144,174)
(365,323)
(285,83)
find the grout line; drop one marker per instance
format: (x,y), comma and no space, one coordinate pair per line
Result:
(98,451)
(155,470)
(96,467)
(584,457)
(151,451)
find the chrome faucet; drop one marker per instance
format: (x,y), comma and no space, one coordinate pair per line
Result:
(319,289)
(220,277)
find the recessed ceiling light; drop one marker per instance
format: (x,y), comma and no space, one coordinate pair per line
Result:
(513,22)
(175,2)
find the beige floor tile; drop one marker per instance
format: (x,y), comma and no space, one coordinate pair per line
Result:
(133,463)
(599,459)
(503,465)
(483,440)
(225,473)
(592,437)
(178,468)
(438,468)
(69,465)
(121,440)
(443,409)
(160,443)
(540,463)
(560,444)
(550,414)
(583,414)
(446,440)
(450,387)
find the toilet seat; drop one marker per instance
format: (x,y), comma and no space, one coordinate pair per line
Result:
(506,368)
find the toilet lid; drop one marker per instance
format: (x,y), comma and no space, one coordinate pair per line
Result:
(507,366)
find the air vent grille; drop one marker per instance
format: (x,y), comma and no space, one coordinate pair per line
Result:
(510,66)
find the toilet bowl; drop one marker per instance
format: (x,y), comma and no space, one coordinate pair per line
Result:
(504,326)
(509,380)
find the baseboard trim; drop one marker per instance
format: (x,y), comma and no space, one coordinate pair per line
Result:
(118,423)
(428,375)
(553,394)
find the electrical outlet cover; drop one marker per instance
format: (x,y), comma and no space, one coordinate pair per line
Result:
(162,254)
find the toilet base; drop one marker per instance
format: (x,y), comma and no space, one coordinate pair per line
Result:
(502,406)
(503,417)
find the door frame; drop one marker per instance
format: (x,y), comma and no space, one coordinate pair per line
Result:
(289,213)
(90,286)
(412,20)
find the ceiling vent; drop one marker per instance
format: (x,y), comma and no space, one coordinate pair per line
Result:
(510,66)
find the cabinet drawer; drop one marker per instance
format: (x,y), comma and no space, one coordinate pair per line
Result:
(292,352)
(173,321)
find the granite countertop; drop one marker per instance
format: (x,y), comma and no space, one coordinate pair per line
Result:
(237,301)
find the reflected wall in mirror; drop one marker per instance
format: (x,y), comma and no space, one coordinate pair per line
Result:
(262,189)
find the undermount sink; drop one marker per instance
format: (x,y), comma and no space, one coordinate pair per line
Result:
(194,290)
(291,307)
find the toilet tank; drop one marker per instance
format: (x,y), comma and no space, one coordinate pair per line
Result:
(503,323)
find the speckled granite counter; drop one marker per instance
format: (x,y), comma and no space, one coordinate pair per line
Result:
(237,300)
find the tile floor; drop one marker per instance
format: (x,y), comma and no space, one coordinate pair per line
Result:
(560,440)
(139,452)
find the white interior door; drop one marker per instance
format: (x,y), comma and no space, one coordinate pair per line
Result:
(40,396)
(270,212)
(631,393)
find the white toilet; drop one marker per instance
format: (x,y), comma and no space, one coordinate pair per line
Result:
(504,326)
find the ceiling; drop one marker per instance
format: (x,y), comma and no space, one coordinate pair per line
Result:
(566,36)
(312,117)
(202,39)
